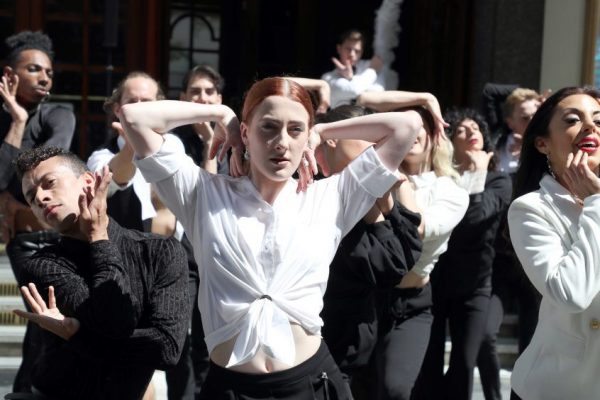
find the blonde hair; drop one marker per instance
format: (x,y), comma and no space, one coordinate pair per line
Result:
(518,96)
(442,156)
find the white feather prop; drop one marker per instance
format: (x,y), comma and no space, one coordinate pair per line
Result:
(387,31)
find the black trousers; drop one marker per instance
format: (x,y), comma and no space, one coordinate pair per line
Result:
(317,378)
(19,250)
(487,360)
(467,318)
(405,327)
(184,380)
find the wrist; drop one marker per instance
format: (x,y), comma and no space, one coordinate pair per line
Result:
(96,237)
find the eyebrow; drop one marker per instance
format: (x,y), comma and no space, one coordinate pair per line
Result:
(39,66)
(578,111)
(271,119)
(28,193)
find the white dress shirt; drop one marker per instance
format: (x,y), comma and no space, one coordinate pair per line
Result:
(247,249)
(443,204)
(99,158)
(558,244)
(365,79)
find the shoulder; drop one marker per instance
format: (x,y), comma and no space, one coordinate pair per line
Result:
(43,259)
(57,110)
(448,186)
(499,181)
(329,75)
(528,203)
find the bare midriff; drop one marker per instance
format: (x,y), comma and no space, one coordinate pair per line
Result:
(306,346)
(25,221)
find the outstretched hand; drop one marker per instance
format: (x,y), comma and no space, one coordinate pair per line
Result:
(227,136)
(8,93)
(48,317)
(93,219)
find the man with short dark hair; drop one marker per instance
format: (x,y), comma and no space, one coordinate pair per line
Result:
(204,85)
(27,120)
(121,307)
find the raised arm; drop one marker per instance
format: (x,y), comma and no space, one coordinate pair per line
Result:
(393,133)
(318,85)
(394,99)
(144,122)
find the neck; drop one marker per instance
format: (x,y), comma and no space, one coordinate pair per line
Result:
(416,168)
(268,189)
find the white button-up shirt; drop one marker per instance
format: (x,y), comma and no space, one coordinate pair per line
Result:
(246,248)
(99,158)
(444,204)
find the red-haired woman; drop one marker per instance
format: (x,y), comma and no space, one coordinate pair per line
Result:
(262,245)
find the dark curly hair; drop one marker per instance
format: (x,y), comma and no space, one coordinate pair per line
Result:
(455,116)
(27,40)
(30,159)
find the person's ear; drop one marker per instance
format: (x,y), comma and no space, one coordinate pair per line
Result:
(244,133)
(8,71)
(542,145)
(89,178)
(331,143)
(116,108)
(338,48)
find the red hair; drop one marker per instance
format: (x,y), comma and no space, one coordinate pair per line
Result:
(277,87)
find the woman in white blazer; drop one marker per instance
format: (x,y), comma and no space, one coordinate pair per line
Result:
(555,230)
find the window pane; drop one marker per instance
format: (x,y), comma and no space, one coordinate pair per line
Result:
(211,59)
(67,83)
(61,6)
(180,36)
(67,38)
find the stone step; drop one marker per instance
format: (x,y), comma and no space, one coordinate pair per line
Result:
(507,348)
(11,340)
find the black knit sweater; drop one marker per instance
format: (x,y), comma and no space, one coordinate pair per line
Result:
(130,295)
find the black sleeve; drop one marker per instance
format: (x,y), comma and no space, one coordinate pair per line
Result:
(104,304)
(493,97)
(159,341)
(388,249)
(58,127)
(8,153)
(485,206)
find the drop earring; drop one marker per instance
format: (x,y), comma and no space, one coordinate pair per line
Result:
(550,170)
(246,154)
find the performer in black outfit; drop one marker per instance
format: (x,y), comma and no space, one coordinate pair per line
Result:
(462,277)
(27,121)
(121,308)
(370,260)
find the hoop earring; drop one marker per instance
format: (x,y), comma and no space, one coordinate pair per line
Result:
(550,170)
